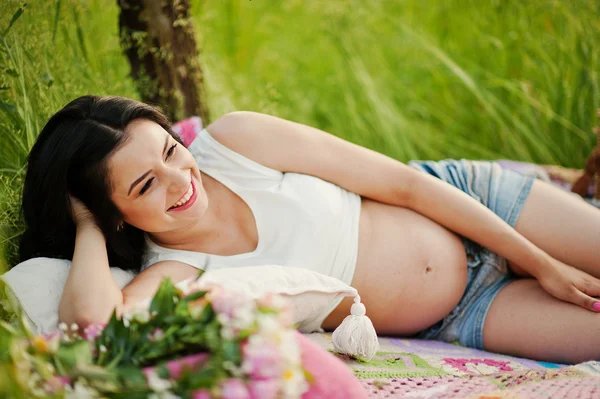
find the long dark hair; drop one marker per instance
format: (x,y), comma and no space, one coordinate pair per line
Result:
(70,156)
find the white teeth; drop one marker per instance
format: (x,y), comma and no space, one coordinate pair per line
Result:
(185,198)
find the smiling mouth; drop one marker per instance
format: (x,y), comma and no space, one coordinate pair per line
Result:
(185,199)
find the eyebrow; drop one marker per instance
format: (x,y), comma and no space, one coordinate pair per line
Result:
(142,177)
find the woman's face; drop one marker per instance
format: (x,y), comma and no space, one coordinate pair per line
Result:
(156,182)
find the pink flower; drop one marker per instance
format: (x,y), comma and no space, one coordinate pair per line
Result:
(177,367)
(263,389)
(226,302)
(262,360)
(93,331)
(188,129)
(57,384)
(234,388)
(201,394)
(156,335)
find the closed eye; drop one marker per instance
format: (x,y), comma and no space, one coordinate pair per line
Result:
(171,151)
(146,186)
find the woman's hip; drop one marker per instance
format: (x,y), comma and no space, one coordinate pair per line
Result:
(504,192)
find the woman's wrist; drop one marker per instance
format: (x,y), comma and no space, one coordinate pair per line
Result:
(87,227)
(540,265)
(85,223)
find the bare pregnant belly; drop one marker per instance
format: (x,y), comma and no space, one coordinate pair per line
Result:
(410,273)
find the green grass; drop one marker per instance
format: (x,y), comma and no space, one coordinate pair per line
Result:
(412,79)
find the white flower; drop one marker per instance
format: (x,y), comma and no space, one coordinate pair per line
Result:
(269,325)
(156,383)
(223,319)
(74,327)
(142,316)
(294,383)
(256,340)
(80,391)
(289,348)
(228,333)
(243,317)
(63,326)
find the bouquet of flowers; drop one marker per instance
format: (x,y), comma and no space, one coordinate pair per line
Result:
(184,342)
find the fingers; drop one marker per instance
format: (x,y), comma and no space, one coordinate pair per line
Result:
(585,301)
(591,286)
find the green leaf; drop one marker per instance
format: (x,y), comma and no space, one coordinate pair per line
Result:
(47,79)
(231,351)
(132,377)
(204,378)
(79,31)
(162,371)
(207,315)
(55,25)
(308,376)
(195,295)
(8,107)
(12,72)
(212,335)
(75,354)
(14,18)
(163,303)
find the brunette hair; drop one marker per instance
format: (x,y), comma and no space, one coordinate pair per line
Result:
(70,156)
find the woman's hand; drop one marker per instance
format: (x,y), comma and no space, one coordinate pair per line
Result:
(571,285)
(80,213)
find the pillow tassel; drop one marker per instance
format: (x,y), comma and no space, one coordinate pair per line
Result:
(356,335)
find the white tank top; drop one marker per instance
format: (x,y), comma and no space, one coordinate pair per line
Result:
(302,221)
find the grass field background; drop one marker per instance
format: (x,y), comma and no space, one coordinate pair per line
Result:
(412,79)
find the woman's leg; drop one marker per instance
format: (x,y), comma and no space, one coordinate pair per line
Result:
(566,227)
(525,321)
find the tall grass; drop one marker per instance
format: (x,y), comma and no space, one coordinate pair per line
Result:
(54,52)
(413,79)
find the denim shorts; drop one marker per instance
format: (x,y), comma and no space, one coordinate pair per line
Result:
(504,192)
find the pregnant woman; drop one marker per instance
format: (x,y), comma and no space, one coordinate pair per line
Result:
(452,250)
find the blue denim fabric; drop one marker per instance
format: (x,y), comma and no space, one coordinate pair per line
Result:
(504,192)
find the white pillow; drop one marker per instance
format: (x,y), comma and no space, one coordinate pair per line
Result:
(311,295)
(35,286)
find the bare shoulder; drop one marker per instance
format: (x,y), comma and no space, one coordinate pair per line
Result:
(259,137)
(294,147)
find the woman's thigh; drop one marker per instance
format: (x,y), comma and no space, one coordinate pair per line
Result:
(564,226)
(525,321)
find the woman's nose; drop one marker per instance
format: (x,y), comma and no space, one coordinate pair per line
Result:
(178,181)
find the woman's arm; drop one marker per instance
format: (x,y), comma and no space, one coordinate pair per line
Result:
(91,293)
(459,212)
(292,147)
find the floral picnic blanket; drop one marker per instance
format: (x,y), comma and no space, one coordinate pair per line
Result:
(418,369)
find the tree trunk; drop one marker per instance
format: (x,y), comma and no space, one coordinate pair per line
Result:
(158,39)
